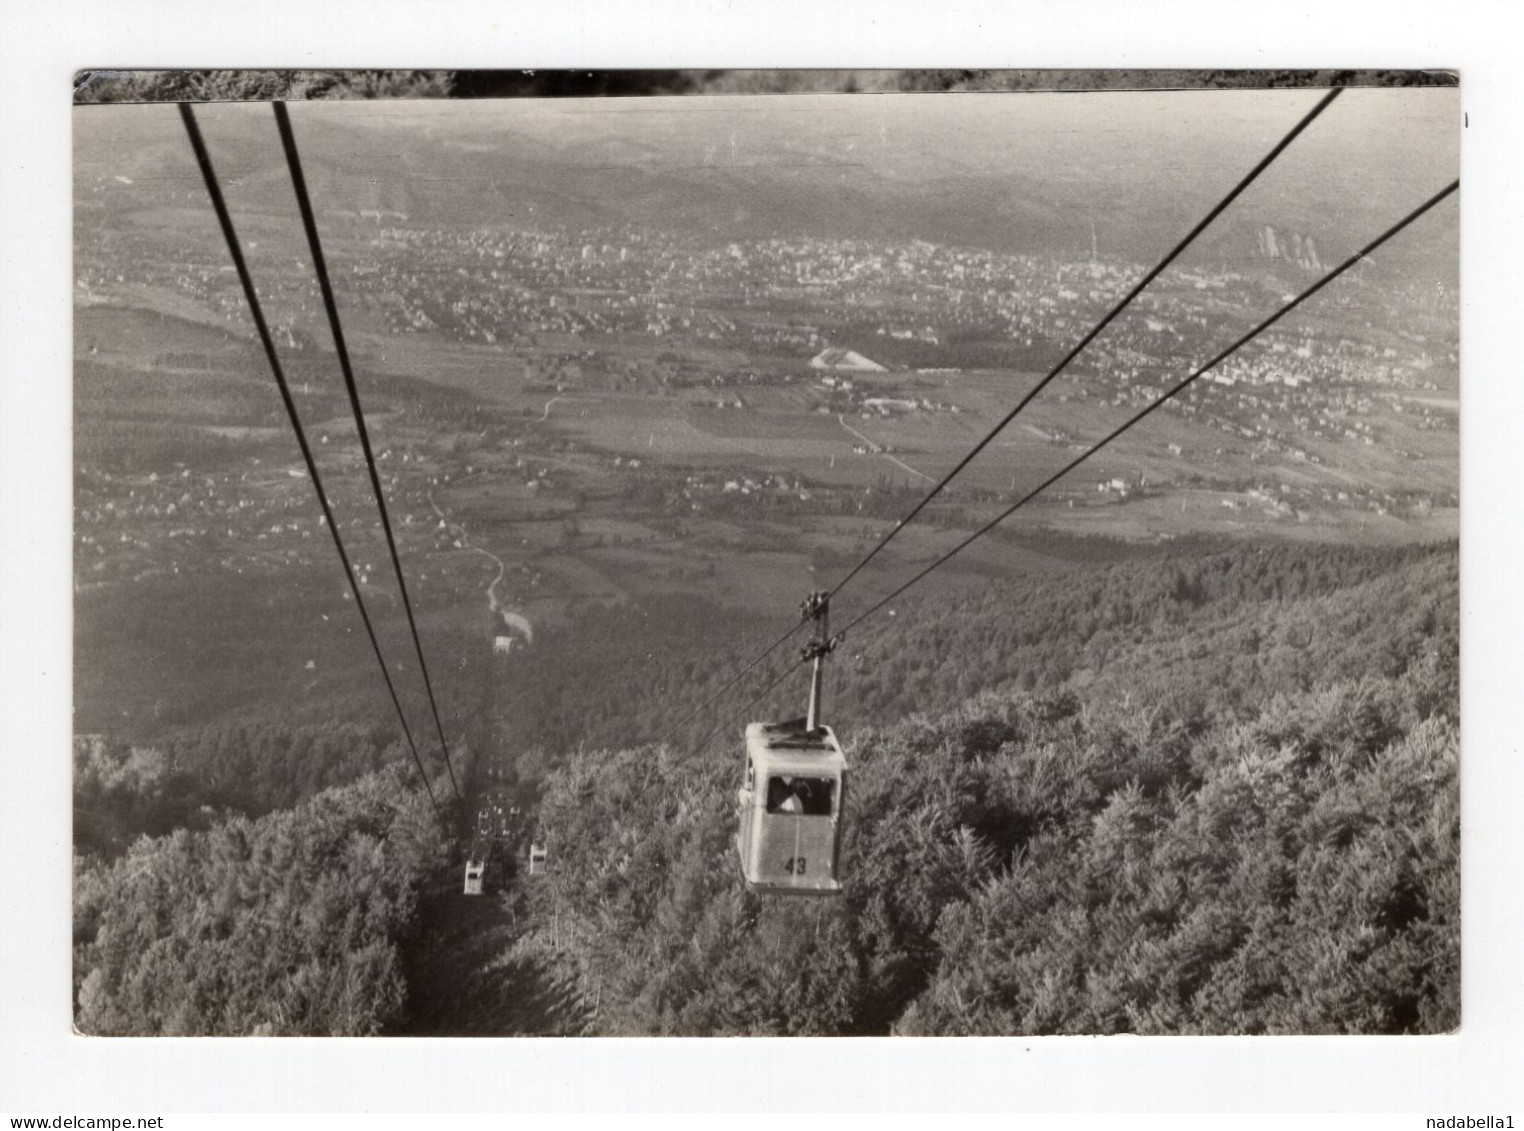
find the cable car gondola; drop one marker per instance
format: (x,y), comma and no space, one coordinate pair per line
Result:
(539,859)
(791,809)
(476,866)
(475,872)
(792,800)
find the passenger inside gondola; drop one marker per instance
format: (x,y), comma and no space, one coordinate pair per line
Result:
(809,797)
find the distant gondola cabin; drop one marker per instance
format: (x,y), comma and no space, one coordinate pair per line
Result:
(791,808)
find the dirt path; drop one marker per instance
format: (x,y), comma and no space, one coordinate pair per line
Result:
(878,449)
(493,603)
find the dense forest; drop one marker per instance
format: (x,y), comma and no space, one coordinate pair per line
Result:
(1205,792)
(1229,805)
(287,924)
(1034,866)
(190,777)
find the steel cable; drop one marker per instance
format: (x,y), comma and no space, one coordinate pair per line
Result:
(320,266)
(225,221)
(1168,395)
(1095,331)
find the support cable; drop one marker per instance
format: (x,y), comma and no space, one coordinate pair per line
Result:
(1170,394)
(937,488)
(214,190)
(1126,301)
(731,721)
(732,681)
(320,266)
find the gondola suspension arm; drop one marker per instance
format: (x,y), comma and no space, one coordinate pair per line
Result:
(817,607)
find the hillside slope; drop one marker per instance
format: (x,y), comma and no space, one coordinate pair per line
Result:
(1169,841)
(1212,793)
(284,925)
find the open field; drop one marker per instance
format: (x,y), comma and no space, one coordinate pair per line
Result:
(595,496)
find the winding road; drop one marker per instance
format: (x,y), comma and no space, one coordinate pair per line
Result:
(455,528)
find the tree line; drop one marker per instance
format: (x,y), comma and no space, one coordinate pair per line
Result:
(1231,626)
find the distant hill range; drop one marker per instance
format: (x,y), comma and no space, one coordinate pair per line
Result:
(1293,247)
(1024,176)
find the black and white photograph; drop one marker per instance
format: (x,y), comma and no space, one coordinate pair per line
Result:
(796,559)
(687,554)
(766,553)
